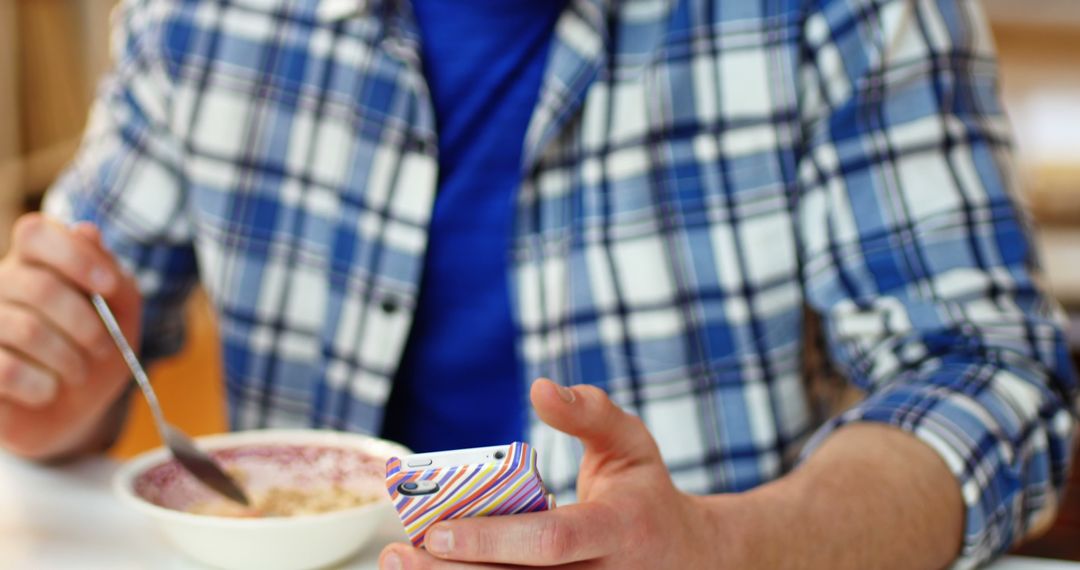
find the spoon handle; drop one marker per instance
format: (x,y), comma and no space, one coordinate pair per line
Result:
(129,357)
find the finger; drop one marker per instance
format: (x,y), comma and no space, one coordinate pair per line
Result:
(400,556)
(587,413)
(569,534)
(66,309)
(24,332)
(23,382)
(404,557)
(87,231)
(127,283)
(45,242)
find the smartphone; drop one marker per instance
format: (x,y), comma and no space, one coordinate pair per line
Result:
(485,481)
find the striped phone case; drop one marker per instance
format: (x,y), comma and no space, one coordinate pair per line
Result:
(509,486)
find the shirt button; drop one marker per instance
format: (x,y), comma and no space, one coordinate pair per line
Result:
(389,305)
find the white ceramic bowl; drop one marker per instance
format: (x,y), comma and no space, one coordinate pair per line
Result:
(278,543)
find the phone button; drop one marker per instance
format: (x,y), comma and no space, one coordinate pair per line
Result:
(419,462)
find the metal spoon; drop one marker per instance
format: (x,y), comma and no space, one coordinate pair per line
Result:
(180,445)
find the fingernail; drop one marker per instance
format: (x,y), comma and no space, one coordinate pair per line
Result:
(439,541)
(38,392)
(566,394)
(32,392)
(101,279)
(391,562)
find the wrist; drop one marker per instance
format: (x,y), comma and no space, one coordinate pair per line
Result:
(100,434)
(82,420)
(752,530)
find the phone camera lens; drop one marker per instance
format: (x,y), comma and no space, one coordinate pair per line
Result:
(500,454)
(418,488)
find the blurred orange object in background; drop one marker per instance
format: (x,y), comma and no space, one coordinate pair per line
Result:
(189,386)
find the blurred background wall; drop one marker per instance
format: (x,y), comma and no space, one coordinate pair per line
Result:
(53,51)
(51,54)
(1039,46)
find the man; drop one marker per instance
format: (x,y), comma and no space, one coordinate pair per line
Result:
(665,183)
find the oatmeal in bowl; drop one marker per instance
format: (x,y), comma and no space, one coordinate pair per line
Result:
(285,502)
(317,497)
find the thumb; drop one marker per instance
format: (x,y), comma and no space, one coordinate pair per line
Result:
(125,301)
(87,231)
(587,413)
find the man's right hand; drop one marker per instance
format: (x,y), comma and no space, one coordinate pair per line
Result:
(59,370)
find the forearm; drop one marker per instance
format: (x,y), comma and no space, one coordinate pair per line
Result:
(871,497)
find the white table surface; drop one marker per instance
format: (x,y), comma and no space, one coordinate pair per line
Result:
(68,519)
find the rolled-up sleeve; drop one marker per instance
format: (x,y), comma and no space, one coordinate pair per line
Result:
(127,176)
(917,256)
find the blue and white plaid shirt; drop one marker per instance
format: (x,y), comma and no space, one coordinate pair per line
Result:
(695,171)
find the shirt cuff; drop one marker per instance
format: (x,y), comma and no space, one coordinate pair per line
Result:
(978,418)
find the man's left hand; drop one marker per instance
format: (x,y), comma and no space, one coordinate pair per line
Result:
(630,515)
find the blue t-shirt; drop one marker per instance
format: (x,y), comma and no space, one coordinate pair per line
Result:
(460,383)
